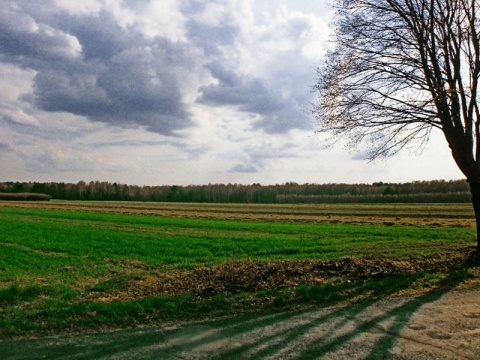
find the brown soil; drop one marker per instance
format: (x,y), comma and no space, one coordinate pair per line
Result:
(423,215)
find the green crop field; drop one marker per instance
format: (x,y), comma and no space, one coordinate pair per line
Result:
(67,266)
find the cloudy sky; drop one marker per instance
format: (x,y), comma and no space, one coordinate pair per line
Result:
(175,92)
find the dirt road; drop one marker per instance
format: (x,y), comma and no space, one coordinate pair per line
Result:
(436,325)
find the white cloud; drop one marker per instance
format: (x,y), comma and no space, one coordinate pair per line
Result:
(173,92)
(84,7)
(17,116)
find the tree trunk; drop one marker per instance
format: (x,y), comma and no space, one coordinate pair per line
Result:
(475,190)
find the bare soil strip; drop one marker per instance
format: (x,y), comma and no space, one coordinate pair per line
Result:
(436,215)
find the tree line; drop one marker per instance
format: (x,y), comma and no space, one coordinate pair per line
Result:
(412,192)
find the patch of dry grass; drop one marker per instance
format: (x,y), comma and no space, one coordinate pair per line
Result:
(234,277)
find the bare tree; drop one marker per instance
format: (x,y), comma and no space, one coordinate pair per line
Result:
(401,68)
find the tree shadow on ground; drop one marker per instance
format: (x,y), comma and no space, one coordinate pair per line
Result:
(302,334)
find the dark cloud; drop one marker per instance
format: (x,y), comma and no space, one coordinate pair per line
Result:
(4,147)
(276,113)
(212,37)
(101,37)
(138,86)
(29,43)
(90,66)
(250,169)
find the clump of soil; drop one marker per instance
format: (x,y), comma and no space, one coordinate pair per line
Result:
(235,277)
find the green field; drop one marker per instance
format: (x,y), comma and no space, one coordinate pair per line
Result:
(79,265)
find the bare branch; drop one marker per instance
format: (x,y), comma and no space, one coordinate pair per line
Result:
(400,69)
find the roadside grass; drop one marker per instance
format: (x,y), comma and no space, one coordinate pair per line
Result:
(75,270)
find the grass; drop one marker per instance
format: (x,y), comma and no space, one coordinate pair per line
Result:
(67,266)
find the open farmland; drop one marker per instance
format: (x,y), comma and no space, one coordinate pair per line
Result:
(379,214)
(74,265)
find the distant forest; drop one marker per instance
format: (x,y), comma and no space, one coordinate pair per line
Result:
(437,191)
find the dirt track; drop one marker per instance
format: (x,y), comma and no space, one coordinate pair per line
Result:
(436,325)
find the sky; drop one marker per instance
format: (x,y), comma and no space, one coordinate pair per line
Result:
(166,92)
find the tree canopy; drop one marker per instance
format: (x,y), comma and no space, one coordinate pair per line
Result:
(400,69)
